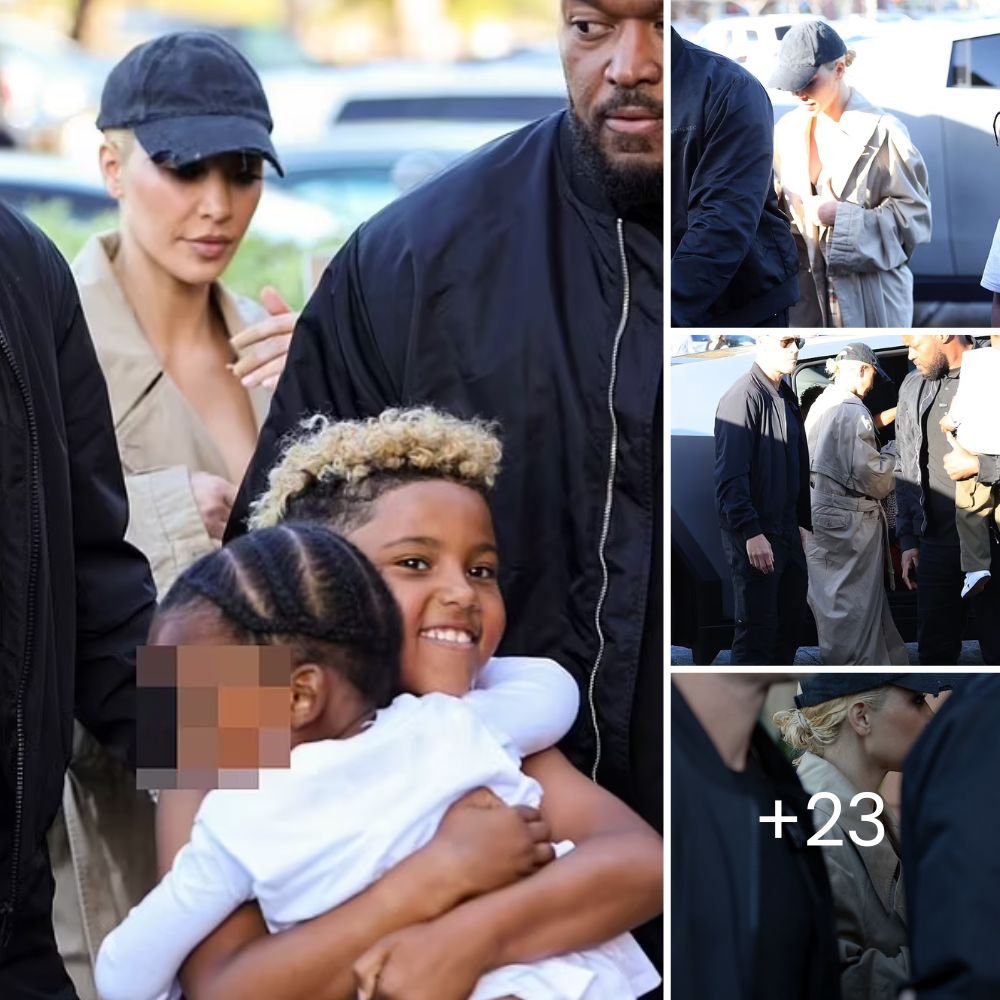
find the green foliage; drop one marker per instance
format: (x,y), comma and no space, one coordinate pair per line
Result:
(258,261)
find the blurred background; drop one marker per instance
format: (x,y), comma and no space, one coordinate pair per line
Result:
(935,64)
(368,97)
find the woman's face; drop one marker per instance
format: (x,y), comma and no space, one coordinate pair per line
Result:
(895,727)
(434,545)
(189,220)
(822,90)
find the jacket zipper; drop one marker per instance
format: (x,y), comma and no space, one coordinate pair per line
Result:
(609,498)
(6,916)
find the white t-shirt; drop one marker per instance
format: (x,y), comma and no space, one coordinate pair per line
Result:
(344,813)
(976,407)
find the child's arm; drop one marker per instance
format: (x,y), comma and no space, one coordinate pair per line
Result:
(140,958)
(530,700)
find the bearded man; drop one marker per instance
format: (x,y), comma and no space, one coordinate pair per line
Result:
(525,284)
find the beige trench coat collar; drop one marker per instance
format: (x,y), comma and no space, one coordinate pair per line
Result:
(881,861)
(130,364)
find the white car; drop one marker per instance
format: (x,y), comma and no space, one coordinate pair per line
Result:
(941,78)
(751,41)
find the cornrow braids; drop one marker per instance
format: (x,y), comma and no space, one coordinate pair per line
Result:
(305,587)
(334,471)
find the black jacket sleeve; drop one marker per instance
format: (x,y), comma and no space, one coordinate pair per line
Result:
(115,597)
(736,421)
(335,366)
(725,200)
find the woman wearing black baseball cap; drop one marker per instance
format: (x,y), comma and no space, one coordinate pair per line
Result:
(854,186)
(853,730)
(186,130)
(847,553)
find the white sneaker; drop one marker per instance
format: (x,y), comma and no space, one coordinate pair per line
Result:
(975,582)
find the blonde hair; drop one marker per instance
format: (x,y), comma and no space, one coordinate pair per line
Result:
(835,368)
(334,470)
(847,59)
(123,139)
(815,728)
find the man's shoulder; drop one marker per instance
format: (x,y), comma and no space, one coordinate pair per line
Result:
(746,387)
(21,240)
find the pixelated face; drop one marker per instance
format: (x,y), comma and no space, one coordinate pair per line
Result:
(232,704)
(896,726)
(612,55)
(434,545)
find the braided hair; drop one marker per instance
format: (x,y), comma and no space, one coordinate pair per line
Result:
(301,586)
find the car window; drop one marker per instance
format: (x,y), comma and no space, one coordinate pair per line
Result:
(975,62)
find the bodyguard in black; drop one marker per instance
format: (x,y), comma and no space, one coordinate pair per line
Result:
(732,257)
(951,814)
(75,599)
(762,489)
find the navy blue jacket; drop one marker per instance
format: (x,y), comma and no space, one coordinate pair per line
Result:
(951,813)
(733,259)
(751,458)
(715,880)
(915,396)
(75,598)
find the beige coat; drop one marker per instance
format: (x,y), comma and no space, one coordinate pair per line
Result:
(867,883)
(879,179)
(849,547)
(102,845)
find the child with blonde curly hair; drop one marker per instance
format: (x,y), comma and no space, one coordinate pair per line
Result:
(409,489)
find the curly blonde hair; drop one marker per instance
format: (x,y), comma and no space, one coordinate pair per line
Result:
(814,728)
(333,471)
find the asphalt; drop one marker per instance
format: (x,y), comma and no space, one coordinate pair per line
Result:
(680,656)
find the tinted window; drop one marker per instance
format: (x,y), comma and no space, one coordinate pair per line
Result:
(461,107)
(975,62)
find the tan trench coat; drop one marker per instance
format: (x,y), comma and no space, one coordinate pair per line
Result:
(879,179)
(867,883)
(848,548)
(102,846)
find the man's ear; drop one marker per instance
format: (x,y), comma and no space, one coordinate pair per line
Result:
(112,162)
(308,695)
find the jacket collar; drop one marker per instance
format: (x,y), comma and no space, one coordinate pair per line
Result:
(130,364)
(881,861)
(779,391)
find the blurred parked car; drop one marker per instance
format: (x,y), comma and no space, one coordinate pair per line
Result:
(701,593)
(751,41)
(47,82)
(941,78)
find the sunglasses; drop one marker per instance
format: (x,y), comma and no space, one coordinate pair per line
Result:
(787,342)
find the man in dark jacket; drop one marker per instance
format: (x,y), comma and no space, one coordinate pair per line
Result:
(525,284)
(951,813)
(75,599)
(732,257)
(762,488)
(926,466)
(752,914)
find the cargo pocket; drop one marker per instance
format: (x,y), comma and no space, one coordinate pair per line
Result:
(831,520)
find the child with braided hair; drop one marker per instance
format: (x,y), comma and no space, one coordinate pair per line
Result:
(369,781)
(410,489)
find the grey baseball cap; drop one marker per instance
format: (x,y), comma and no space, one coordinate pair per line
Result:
(805,47)
(860,351)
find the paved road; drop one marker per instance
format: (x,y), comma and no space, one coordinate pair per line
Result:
(952,314)
(809,656)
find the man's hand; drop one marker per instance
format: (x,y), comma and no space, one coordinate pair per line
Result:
(827,213)
(911,563)
(423,962)
(269,340)
(483,844)
(760,553)
(959,463)
(215,497)
(947,425)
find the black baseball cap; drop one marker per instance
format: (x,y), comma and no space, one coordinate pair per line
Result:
(189,95)
(859,351)
(826,687)
(805,47)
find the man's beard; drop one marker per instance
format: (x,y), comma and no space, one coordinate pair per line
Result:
(938,368)
(627,186)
